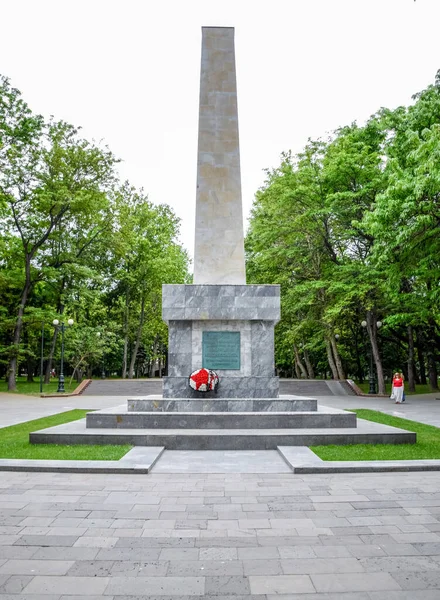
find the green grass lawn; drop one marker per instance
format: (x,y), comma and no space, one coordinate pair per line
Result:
(427,445)
(14,442)
(33,389)
(420,389)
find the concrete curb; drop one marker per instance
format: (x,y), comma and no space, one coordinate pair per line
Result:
(301,461)
(136,461)
(76,392)
(357,390)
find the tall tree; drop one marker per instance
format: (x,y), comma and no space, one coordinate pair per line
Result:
(48,175)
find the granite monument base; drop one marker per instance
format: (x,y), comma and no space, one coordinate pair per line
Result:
(195,312)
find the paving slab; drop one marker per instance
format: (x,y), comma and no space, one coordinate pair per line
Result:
(306,555)
(218,461)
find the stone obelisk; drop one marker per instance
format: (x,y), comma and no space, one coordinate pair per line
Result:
(219,322)
(219,243)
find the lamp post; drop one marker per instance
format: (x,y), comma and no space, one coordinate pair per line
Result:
(371,377)
(61,377)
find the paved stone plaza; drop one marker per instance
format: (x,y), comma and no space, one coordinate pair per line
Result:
(227,536)
(261,534)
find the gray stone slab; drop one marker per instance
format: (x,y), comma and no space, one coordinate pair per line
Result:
(240,386)
(229,585)
(343,596)
(13,584)
(205,403)
(209,439)
(399,563)
(281,584)
(321,565)
(34,567)
(67,554)
(47,540)
(217,461)
(220,420)
(161,586)
(418,581)
(354,582)
(424,594)
(205,568)
(79,586)
(200,302)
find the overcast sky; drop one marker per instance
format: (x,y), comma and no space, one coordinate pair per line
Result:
(128,72)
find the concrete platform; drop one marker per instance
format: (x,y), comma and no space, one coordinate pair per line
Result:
(120,418)
(286,403)
(366,432)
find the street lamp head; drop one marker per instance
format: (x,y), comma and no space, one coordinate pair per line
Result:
(98,334)
(364,323)
(70,322)
(379,324)
(336,336)
(55,322)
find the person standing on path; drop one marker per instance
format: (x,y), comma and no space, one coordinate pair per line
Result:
(398,388)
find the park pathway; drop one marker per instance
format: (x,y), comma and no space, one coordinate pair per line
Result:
(228,537)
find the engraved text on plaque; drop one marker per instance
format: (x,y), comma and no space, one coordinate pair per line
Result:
(221,350)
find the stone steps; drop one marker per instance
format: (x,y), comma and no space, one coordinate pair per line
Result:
(220,420)
(203,404)
(215,439)
(124,387)
(144,387)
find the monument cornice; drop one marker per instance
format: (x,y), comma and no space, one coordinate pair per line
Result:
(188,302)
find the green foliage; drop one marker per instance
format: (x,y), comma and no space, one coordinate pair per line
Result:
(350,229)
(74,242)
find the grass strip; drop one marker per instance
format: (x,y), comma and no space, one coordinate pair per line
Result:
(420,388)
(14,442)
(427,445)
(32,388)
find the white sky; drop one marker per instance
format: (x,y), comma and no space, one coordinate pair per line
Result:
(128,72)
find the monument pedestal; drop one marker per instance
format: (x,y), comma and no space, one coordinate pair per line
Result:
(244,362)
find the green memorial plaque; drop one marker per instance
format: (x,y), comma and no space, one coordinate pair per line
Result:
(221,350)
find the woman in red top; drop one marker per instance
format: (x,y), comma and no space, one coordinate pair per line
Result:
(398,388)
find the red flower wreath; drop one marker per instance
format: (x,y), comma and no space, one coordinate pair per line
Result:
(204,380)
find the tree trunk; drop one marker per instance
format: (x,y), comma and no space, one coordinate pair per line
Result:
(13,363)
(432,372)
(360,373)
(53,346)
(297,371)
(300,363)
(372,332)
(338,362)
(432,366)
(49,364)
(411,379)
(138,339)
(421,356)
(310,372)
(30,364)
(125,356)
(331,362)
